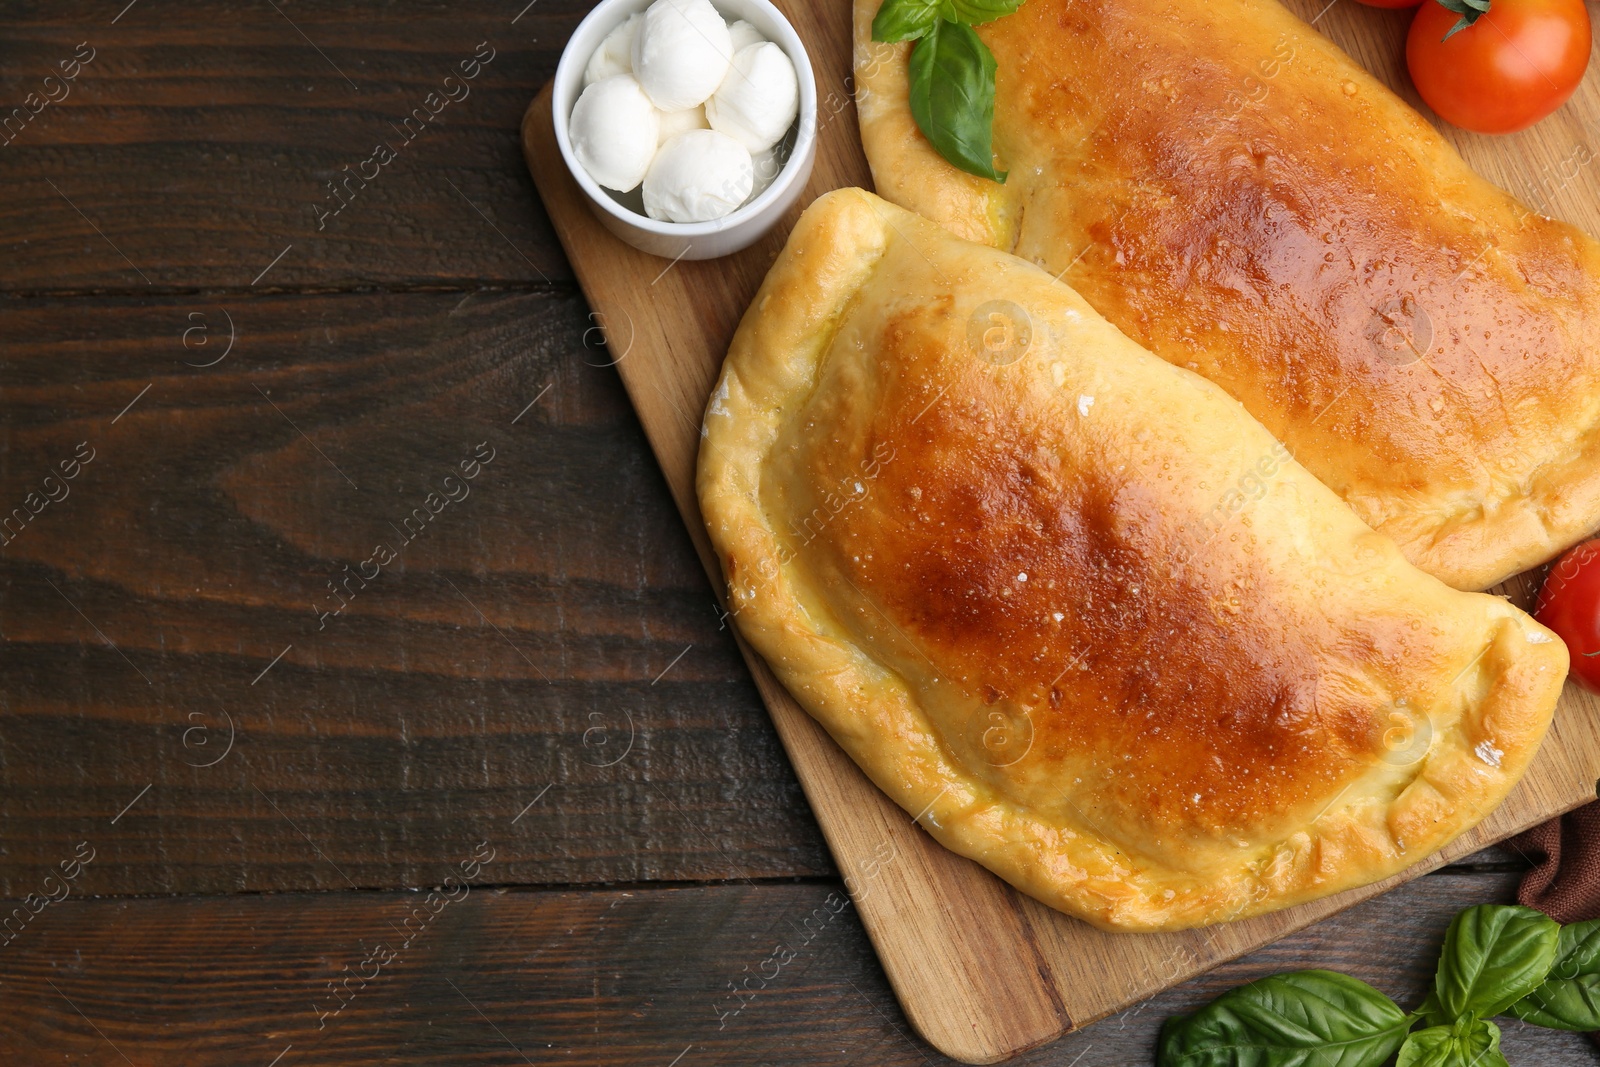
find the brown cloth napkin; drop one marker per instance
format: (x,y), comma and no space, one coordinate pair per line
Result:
(1565,853)
(1565,880)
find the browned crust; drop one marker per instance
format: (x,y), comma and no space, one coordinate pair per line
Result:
(1238,196)
(1297,622)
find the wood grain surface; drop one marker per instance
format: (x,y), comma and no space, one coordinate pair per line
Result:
(639,976)
(982,971)
(548,630)
(190,156)
(383,748)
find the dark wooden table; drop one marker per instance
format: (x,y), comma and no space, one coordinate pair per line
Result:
(361,700)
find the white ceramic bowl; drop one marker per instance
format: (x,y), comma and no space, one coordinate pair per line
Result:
(691,240)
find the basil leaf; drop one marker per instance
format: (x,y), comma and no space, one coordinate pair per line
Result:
(1471,1042)
(1482,1044)
(1303,1019)
(1569,999)
(973,12)
(1493,956)
(1433,1047)
(903,20)
(952,97)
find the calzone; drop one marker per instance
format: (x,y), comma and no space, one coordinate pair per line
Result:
(1073,607)
(1238,196)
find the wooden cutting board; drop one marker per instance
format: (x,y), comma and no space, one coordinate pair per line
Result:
(982,971)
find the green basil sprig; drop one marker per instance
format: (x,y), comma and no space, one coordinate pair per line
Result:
(952,74)
(904,20)
(952,97)
(1303,1019)
(1496,958)
(1493,956)
(1471,1041)
(1569,999)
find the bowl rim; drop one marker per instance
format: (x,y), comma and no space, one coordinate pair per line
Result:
(611,13)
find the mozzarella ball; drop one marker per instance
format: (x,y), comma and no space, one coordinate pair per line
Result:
(615,54)
(743,34)
(758,100)
(698,176)
(766,166)
(676,122)
(681,53)
(614,132)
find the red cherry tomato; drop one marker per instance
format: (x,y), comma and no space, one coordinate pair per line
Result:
(1517,63)
(1391,3)
(1570,605)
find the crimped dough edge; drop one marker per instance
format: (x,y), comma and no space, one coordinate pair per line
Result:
(773,361)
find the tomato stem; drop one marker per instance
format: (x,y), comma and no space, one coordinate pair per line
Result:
(1469,10)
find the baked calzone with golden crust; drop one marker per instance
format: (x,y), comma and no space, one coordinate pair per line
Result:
(1239,197)
(1074,607)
